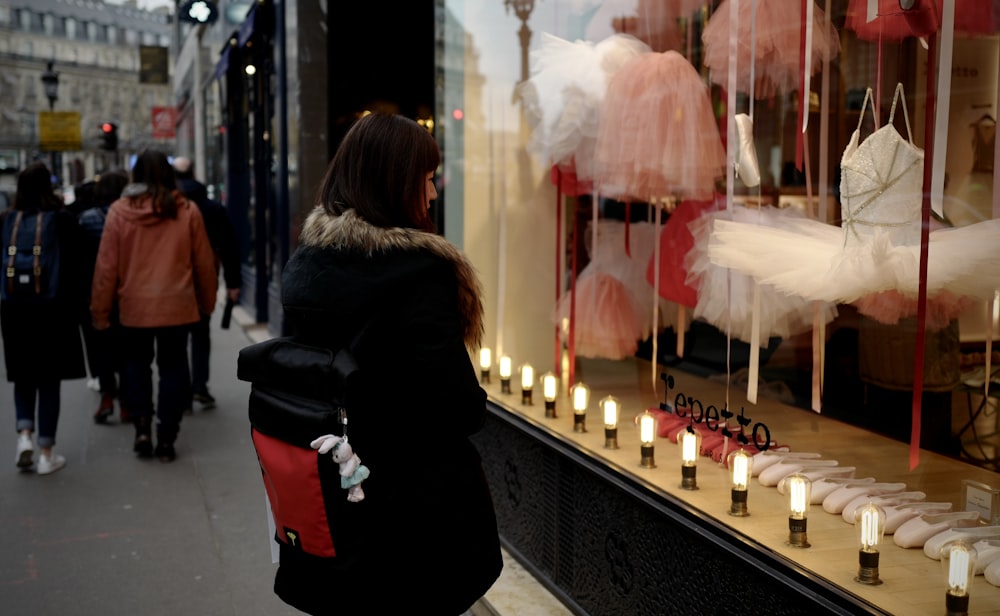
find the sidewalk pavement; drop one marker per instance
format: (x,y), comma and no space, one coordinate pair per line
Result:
(113,535)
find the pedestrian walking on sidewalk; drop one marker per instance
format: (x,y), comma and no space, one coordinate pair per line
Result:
(222,236)
(39,307)
(369,253)
(103,347)
(156,260)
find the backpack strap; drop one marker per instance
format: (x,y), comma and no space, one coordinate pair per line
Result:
(12,251)
(36,251)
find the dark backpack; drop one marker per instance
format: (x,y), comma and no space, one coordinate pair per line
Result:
(32,259)
(299,393)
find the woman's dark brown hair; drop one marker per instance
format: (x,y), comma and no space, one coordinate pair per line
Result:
(380,170)
(34,189)
(153,169)
(109,186)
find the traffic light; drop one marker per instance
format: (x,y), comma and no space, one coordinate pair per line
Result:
(109,136)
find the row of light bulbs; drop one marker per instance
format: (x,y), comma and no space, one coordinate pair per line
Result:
(958,558)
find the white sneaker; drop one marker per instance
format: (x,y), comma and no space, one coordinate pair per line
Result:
(25,451)
(51,464)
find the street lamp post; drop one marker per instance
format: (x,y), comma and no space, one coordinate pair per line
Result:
(50,81)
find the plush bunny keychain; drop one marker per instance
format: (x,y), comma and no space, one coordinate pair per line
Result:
(352,471)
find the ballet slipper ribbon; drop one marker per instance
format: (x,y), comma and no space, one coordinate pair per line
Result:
(817,337)
(803,95)
(558,277)
(946,44)
(824,129)
(807,59)
(572,300)
(925,224)
(754,368)
(656,285)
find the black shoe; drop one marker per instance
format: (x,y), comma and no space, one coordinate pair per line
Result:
(205,399)
(165,452)
(105,410)
(143,444)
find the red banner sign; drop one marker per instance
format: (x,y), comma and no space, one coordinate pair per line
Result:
(164,121)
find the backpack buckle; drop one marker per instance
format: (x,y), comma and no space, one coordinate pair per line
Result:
(11,251)
(36,250)
(10,272)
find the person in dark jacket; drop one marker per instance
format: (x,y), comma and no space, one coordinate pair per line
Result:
(103,347)
(222,236)
(425,538)
(41,337)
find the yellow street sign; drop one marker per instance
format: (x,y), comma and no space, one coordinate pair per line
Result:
(59,131)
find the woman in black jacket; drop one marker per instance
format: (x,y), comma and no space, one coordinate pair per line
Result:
(424,539)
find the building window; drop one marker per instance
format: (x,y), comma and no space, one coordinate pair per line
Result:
(59,26)
(37,22)
(70,28)
(48,24)
(102,33)
(131,37)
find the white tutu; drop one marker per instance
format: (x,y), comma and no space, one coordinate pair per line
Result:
(725,297)
(878,248)
(562,98)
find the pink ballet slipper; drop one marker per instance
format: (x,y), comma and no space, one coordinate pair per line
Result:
(915,532)
(770,457)
(880,501)
(816,473)
(987,552)
(934,545)
(895,515)
(825,486)
(770,476)
(838,499)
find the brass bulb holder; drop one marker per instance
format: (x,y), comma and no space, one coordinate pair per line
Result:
(646,460)
(868,568)
(955,605)
(610,438)
(550,408)
(526,396)
(484,376)
(579,422)
(505,385)
(797,537)
(689,477)
(738,507)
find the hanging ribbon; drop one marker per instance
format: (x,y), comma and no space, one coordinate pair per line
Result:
(572,300)
(654,360)
(502,240)
(803,95)
(753,370)
(925,224)
(946,45)
(824,130)
(558,276)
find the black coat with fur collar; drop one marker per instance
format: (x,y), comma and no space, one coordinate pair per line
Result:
(425,537)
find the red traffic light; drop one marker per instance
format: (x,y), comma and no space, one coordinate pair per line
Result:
(107,128)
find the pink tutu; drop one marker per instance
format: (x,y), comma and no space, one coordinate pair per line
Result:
(657,135)
(608,319)
(776,45)
(890,307)
(972,17)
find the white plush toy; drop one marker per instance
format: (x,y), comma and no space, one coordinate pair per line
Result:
(352,471)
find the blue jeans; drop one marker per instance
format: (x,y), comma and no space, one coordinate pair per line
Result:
(169,346)
(47,394)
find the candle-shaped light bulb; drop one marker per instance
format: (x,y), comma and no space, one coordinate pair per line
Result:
(505,368)
(647,434)
(740,464)
(869,524)
(610,410)
(550,389)
(485,363)
(581,398)
(958,559)
(799,490)
(690,442)
(527,383)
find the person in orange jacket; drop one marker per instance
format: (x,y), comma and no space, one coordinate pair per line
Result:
(156,260)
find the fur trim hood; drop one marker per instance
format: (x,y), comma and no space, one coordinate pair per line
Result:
(350,232)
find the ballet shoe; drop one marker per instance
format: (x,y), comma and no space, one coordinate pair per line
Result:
(987,553)
(770,477)
(933,546)
(814,474)
(916,531)
(824,486)
(879,501)
(895,515)
(771,457)
(838,499)
(747,168)
(992,573)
